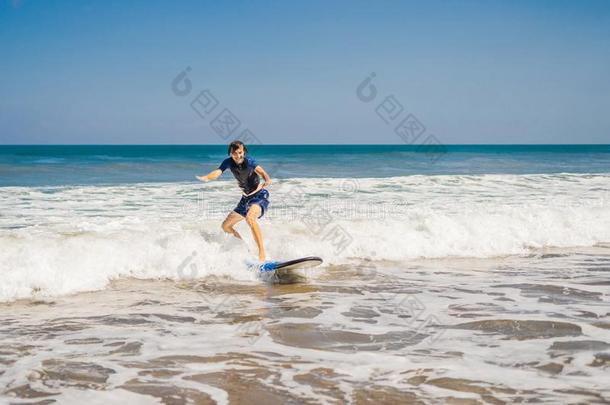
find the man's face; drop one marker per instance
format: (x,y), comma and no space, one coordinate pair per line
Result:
(238,154)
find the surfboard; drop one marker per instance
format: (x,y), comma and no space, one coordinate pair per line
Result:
(287,272)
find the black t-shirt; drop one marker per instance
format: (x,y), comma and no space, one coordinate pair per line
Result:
(246,177)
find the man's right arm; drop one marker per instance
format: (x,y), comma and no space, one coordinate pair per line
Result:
(213,175)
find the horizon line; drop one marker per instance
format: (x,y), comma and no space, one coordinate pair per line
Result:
(305,144)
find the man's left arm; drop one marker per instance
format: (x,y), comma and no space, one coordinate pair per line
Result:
(261,172)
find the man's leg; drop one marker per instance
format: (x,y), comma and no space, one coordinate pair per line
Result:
(231,220)
(252,219)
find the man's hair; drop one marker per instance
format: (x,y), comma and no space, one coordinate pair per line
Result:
(235,145)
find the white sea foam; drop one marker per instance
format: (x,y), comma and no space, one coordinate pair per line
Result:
(68,239)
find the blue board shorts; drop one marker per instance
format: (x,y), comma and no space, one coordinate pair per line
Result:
(261,199)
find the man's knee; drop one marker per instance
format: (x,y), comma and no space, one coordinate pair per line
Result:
(226,227)
(253,214)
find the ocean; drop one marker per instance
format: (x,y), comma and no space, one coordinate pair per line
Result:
(71,165)
(472,273)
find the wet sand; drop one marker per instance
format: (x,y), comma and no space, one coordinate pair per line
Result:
(526,329)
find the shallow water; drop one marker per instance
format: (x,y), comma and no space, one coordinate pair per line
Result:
(479,277)
(529,328)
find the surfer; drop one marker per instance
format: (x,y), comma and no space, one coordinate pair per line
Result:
(255,198)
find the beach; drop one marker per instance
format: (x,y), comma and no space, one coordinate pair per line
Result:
(476,276)
(528,329)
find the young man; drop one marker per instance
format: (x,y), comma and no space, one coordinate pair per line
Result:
(255,199)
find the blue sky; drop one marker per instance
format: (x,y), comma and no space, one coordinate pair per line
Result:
(469,71)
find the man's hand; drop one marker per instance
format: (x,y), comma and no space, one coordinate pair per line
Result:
(203,178)
(259,188)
